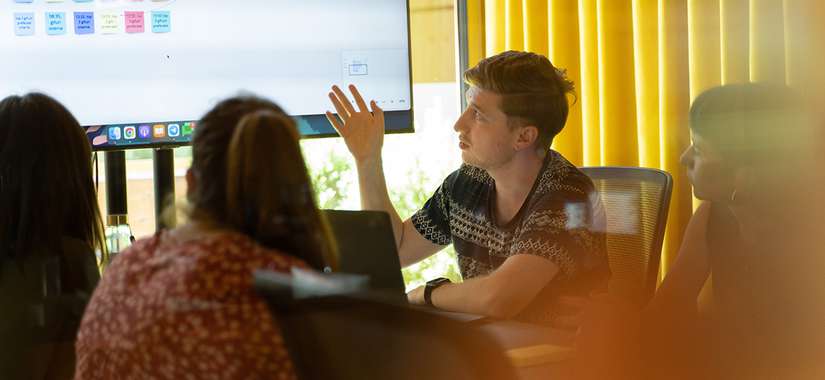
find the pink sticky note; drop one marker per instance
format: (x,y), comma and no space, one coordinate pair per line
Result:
(134,22)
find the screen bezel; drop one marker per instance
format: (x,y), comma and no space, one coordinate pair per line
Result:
(410,128)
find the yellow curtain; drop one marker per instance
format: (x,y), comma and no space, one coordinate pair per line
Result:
(638,64)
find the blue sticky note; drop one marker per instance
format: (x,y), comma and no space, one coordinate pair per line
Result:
(24,24)
(55,23)
(161,22)
(23,1)
(84,22)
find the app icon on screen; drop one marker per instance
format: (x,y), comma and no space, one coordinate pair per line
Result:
(144,131)
(174,130)
(114,133)
(187,128)
(129,133)
(159,131)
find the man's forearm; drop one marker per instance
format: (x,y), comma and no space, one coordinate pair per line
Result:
(478,296)
(503,293)
(375,195)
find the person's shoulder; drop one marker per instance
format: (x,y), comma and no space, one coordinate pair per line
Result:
(247,254)
(140,250)
(560,176)
(465,178)
(468,175)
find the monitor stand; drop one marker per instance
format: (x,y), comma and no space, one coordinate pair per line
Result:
(118,233)
(164,164)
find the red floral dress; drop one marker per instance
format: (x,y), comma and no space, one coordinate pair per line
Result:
(184,310)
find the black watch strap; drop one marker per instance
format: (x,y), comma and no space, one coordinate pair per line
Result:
(431,285)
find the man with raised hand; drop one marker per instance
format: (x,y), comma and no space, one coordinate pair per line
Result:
(526,224)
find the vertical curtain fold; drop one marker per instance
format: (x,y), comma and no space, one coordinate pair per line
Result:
(704,35)
(767,41)
(589,102)
(514,25)
(535,26)
(674,103)
(734,41)
(563,23)
(494,27)
(616,83)
(646,50)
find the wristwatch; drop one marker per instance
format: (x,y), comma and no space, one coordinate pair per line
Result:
(431,285)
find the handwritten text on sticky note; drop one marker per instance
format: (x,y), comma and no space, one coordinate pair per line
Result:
(134,22)
(24,24)
(55,23)
(161,22)
(84,23)
(109,22)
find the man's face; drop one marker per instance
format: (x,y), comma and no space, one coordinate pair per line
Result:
(486,140)
(710,179)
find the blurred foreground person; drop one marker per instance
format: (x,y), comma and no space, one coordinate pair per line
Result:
(50,229)
(752,162)
(180,304)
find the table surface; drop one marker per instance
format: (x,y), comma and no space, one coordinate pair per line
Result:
(515,335)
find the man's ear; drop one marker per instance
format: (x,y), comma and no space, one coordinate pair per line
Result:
(527,137)
(191,182)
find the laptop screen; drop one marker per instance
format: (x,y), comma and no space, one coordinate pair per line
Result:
(366,245)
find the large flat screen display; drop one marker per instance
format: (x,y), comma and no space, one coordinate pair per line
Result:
(139,73)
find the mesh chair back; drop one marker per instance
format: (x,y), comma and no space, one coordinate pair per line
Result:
(361,337)
(636,202)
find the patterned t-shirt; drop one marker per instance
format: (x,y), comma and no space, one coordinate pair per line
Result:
(184,310)
(561,220)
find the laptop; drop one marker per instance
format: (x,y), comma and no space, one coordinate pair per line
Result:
(366,246)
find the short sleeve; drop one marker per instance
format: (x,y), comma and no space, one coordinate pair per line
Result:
(432,221)
(563,228)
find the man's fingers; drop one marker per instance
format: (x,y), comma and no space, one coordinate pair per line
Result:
(342,111)
(344,100)
(377,112)
(335,122)
(359,100)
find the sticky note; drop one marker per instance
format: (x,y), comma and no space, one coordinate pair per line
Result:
(161,22)
(54,1)
(109,22)
(23,1)
(24,24)
(55,23)
(134,22)
(84,22)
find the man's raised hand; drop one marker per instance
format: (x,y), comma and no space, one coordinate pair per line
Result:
(362,129)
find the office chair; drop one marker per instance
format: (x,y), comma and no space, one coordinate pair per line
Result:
(636,202)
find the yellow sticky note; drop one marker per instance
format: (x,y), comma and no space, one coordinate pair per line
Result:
(110,22)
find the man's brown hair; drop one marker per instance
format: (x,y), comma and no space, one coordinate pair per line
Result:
(533,91)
